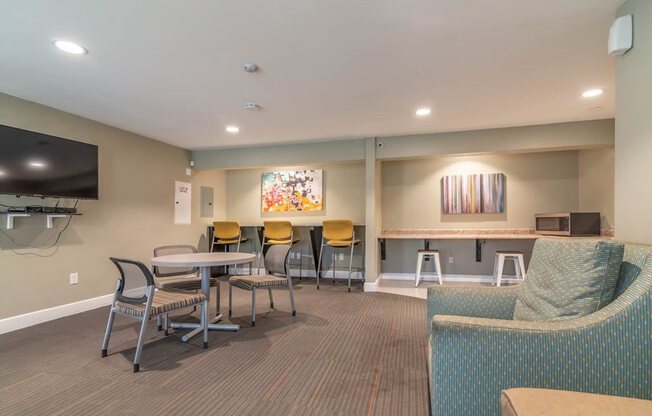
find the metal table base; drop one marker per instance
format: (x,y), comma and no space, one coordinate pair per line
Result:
(197,327)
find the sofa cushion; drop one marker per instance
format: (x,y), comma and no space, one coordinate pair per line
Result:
(569,278)
(544,402)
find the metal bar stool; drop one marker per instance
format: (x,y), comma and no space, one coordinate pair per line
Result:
(427,253)
(227,233)
(519,266)
(339,234)
(279,233)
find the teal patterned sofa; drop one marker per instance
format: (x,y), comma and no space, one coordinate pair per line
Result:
(476,350)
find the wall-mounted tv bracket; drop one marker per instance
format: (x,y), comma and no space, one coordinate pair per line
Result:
(49,218)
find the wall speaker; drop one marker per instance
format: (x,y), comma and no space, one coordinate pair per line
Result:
(621,35)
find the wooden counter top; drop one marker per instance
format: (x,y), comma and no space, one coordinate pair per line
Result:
(443,234)
(485,234)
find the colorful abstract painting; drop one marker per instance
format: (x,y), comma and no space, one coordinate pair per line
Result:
(473,194)
(292,191)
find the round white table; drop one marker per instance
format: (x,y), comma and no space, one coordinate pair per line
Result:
(204,261)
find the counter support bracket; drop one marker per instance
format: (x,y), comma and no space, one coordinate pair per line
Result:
(478,249)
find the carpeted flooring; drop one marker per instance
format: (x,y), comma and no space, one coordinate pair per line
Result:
(343,354)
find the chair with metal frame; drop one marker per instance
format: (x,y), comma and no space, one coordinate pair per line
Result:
(275,233)
(277,267)
(227,233)
(181,279)
(152,303)
(339,234)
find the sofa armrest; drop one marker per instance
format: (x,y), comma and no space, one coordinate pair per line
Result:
(474,359)
(480,302)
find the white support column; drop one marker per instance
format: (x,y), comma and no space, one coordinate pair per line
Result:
(373,216)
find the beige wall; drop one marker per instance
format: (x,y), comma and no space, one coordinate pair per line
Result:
(596,183)
(133,215)
(536,182)
(634,129)
(540,138)
(333,151)
(344,197)
(411,198)
(344,194)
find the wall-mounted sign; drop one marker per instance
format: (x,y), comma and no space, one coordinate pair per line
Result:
(473,194)
(292,191)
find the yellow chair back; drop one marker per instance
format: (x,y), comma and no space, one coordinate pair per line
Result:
(278,230)
(338,230)
(226,229)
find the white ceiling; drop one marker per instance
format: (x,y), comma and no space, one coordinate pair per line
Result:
(171,69)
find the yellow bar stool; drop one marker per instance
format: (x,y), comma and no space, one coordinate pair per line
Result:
(227,233)
(279,233)
(338,235)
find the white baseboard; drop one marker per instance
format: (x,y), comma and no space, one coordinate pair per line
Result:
(371,286)
(465,278)
(14,323)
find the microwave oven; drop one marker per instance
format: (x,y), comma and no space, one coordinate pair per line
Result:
(569,224)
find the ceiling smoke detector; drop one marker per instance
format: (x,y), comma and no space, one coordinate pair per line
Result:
(252,106)
(250,67)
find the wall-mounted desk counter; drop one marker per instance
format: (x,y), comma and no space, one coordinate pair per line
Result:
(441,234)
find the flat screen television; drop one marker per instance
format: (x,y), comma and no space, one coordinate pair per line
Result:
(37,164)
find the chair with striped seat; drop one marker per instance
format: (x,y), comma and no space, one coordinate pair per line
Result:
(277,267)
(180,279)
(152,303)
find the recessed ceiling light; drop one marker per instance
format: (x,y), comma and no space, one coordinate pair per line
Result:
(592,93)
(232,129)
(2,173)
(422,112)
(37,165)
(70,47)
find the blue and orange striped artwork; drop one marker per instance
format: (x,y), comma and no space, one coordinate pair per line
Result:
(473,194)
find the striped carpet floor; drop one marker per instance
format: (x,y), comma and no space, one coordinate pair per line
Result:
(343,354)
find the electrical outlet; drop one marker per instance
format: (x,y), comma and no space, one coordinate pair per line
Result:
(74,278)
(451,260)
(341,256)
(291,256)
(298,256)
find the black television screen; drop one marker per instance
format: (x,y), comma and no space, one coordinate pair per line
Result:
(38,164)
